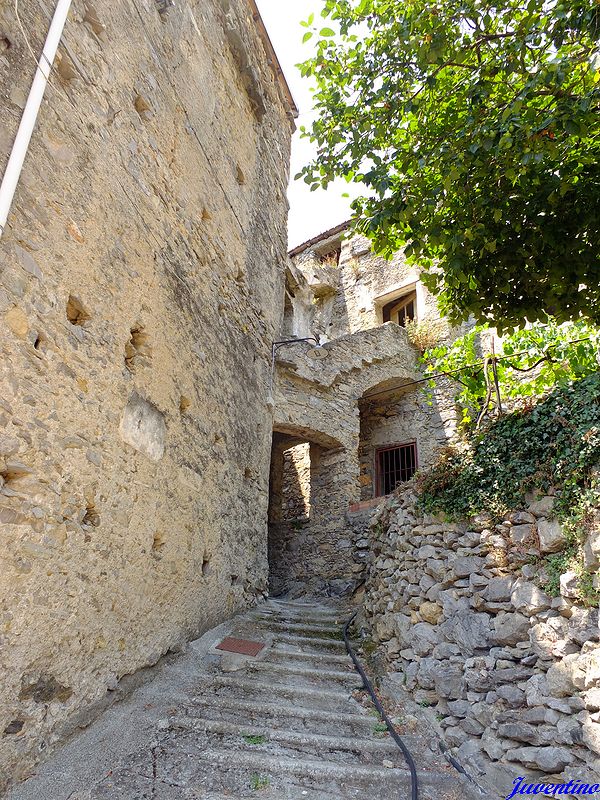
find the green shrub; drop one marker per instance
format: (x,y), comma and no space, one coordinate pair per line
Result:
(553,443)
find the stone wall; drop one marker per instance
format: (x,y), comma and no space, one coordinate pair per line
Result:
(512,674)
(314,553)
(316,401)
(296,482)
(348,296)
(426,417)
(141,275)
(358,396)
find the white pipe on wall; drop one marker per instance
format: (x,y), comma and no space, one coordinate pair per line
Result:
(30,112)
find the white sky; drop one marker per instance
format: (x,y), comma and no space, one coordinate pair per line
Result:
(311,213)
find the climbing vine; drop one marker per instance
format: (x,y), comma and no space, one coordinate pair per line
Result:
(555,443)
(527,364)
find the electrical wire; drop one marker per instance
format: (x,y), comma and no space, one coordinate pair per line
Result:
(381,711)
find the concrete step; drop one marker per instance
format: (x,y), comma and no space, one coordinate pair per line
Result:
(234,685)
(310,644)
(283,714)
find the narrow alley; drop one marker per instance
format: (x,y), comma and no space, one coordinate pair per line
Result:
(289,723)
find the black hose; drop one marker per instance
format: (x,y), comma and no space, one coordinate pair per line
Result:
(381,711)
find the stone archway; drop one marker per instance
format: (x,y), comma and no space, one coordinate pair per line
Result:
(311,485)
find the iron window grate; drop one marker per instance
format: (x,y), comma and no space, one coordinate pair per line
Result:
(395,465)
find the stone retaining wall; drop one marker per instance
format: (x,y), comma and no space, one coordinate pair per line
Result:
(512,674)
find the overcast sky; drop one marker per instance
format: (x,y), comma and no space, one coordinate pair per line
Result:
(311,213)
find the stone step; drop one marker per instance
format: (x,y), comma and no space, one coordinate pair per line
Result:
(270,779)
(303,612)
(234,685)
(298,606)
(282,714)
(293,655)
(310,644)
(291,792)
(212,785)
(296,744)
(331,779)
(305,675)
(319,617)
(365,777)
(330,632)
(335,623)
(279,675)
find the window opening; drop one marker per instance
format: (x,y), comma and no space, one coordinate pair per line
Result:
(332,257)
(395,465)
(401,310)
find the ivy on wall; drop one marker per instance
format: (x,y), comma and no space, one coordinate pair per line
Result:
(555,443)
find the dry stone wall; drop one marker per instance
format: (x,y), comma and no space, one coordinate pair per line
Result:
(512,674)
(140,283)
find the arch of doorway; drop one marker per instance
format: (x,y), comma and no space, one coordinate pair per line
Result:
(314,552)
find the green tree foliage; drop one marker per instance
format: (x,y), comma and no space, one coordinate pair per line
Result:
(474,129)
(530,362)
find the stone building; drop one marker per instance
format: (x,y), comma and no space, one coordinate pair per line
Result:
(141,274)
(351,419)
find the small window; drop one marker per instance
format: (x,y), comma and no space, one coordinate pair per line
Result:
(401,310)
(395,465)
(331,258)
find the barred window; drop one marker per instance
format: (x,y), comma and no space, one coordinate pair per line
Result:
(395,464)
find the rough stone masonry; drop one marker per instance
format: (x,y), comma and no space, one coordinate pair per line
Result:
(141,281)
(511,673)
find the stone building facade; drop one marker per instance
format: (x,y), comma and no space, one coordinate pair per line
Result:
(351,418)
(141,274)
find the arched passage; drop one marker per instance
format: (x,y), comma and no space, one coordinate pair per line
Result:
(311,484)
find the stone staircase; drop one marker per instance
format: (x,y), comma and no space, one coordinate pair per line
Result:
(289,724)
(283,725)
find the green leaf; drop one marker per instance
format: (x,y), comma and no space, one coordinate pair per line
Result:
(307,36)
(492,158)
